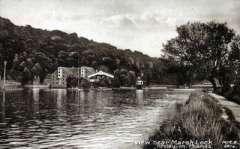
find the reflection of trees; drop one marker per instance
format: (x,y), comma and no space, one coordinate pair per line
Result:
(20,102)
(88,102)
(3,106)
(127,97)
(102,100)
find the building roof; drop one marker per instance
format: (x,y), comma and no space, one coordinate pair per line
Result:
(101,73)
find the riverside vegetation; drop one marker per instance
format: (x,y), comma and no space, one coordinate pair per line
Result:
(201,118)
(31,52)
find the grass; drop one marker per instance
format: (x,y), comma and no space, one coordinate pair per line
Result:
(201,118)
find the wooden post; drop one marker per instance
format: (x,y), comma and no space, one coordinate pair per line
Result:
(78,77)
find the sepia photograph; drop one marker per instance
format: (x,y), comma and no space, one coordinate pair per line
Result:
(119,74)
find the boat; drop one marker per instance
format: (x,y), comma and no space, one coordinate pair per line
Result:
(139,83)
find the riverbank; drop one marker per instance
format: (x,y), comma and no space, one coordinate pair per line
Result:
(233,106)
(200,122)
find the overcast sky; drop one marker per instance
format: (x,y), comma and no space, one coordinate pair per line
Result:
(142,25)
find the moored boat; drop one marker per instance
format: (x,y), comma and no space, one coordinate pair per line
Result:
(139,83)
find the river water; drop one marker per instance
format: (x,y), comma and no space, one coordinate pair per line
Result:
(57,118)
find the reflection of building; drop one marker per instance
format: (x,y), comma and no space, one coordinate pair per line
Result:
(58,79)
(36,92)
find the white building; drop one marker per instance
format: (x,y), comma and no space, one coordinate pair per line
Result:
(59,77)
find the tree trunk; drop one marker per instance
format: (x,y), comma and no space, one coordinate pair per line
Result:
(189,84)
(214,83)
(226,90)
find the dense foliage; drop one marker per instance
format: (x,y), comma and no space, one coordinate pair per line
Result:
(202,51)
(206,51)
(35,52)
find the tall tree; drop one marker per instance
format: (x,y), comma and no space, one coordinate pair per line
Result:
(202,48)
(235,52)
(235,58)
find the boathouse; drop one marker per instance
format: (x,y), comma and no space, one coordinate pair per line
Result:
(100,76)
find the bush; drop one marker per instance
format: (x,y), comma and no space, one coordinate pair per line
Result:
(235,95)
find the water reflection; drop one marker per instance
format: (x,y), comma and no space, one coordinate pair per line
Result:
(36,92)
(61,96)
(81,101)
(2,102)
(59,118)
(101,100)
(139,97)
(90,102)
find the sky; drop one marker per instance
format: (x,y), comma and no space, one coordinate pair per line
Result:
(142,25)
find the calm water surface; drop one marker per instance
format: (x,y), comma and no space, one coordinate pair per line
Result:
(59,118)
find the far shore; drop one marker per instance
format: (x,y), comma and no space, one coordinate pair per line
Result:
(151,87)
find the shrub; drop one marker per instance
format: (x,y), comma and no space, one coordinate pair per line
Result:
(201,118)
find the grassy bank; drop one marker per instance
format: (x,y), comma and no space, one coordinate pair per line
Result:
(200,122)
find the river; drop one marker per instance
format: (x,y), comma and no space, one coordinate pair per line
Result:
(57,118)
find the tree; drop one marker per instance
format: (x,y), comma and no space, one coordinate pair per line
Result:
(234,55)
(235,63)
(202,48)
(42,51)
(132,78)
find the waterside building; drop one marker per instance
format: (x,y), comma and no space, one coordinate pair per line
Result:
(58,79)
